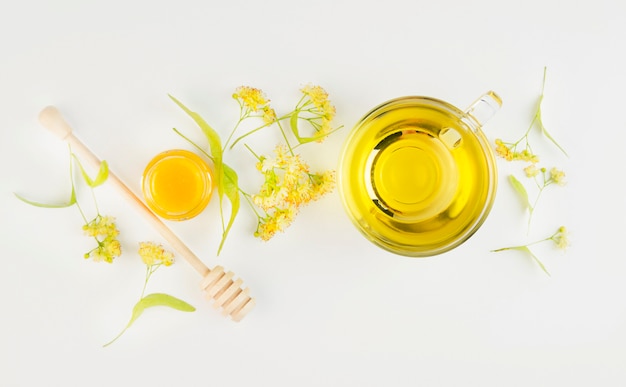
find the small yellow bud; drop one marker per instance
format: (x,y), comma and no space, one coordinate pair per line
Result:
(560,238)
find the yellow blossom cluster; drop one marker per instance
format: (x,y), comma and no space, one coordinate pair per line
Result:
(154,254)
(323,111)
(103,229)
(557,176)
(509,153)
(531,170)
(319,98)
(560,238)
(101,226)
(253,100)
(269,225)
(541,177)
(288,185)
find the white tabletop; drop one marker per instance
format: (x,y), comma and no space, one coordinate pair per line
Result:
(332,308)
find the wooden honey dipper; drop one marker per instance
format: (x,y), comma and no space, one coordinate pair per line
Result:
(217,284)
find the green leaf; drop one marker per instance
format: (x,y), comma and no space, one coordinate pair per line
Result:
(215,143)
(159,299)
(231,189)
(519,188)
(526,250)
(227,180)
(150,301)
(101,177)
(544,131)
(70,203)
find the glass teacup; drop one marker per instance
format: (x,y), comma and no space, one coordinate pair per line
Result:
(418,176)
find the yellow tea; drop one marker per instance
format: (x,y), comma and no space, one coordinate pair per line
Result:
(417,176)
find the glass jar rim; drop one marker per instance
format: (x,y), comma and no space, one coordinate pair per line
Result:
(197,164)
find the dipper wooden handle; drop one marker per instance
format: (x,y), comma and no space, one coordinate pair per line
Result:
(217,284)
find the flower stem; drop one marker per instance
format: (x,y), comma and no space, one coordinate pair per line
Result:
(247,134)
(195,145)
(116,337)
(250,203)
(525,249)
(82,213)
(145,282)
(282,131)
(230,136)
(257,129)
(253,153)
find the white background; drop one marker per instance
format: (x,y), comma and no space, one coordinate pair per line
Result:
(332,309)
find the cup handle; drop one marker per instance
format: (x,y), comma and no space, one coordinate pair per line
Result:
(484,107)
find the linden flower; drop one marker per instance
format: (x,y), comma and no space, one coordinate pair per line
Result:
(557,176)
(509,153)
(503,151)
(285,159)
(324,129)
(278,221)
(329,111)
(531,170)
(269,115)
(319,98)
(103,229)
(288,185)
(101,226)
(283,174)
(252,98)
(270,197)
(560,238)
(153,254)
(322,112)
(317,95)
(322,183)
(526,155)
(107,250)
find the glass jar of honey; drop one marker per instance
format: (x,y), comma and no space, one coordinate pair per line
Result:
(177,184)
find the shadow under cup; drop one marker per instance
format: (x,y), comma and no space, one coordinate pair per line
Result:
(417,175)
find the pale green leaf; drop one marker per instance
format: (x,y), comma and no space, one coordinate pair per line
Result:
(150,301)
(519,188)
(159,299)
(70,203)
(226,177)
(544,131)
(231,190)
(103,174)
(215,144)
(101,177)
(526,250)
